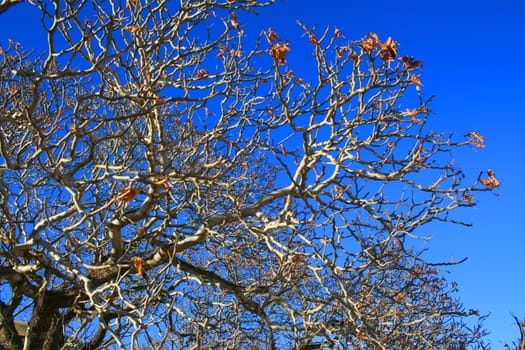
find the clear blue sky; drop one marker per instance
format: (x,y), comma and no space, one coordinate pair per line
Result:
(473,52)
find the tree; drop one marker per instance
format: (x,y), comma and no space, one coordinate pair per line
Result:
(167,184)
(520,344)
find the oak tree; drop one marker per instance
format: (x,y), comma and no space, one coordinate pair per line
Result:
(169,181)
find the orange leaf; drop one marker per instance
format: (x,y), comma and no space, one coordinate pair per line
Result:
(159,101)
(279,51)
(415,80)
(388,49)
(413,113)
(476,139)
(468,199)
(233,20)
(283,150)
(202,73)
(410,63)
(313,40)
(369,42)
(272,36)
(138,263)
(128,194)
(130,4)
(132,29)
(222,51)
(491,181)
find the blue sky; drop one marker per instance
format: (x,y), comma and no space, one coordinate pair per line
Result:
(473,52)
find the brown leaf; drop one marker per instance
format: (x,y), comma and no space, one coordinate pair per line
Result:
(468,199)
(128,194)
(415,80)
(388,49)
(132,29)
(313,40)
(138,263)
(159,101)
(491,181)
(222,51)
(283,150)
(279,51)
(413,113)
(202,73)
(233,20)
(369,42)
(130,4)
(410,63)
(476,139)
(272,36)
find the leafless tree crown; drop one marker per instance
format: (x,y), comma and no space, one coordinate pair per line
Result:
(168,181)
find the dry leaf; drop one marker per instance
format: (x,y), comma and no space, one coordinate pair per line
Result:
(491,181)
(222,51)
(476,139)
(410,63)
(388,50)
(284,151)
(159,101)
(279,51)
(327,240)
(412,113)
(272,36)
(128,194)
(313,40)
(415,80)
(369,42)
(202,73)
(233,20)
(468,199)
(132,29)
(138,263)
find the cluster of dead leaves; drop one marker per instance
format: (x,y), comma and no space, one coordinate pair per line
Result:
(278,49)
(491,181)
(476,139)
(387,49)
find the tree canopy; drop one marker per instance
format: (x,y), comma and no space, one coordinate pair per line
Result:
(167,181)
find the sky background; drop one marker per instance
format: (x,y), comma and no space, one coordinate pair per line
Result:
(474,56)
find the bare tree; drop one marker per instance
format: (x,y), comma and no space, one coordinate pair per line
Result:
(520,344)
(166,182)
